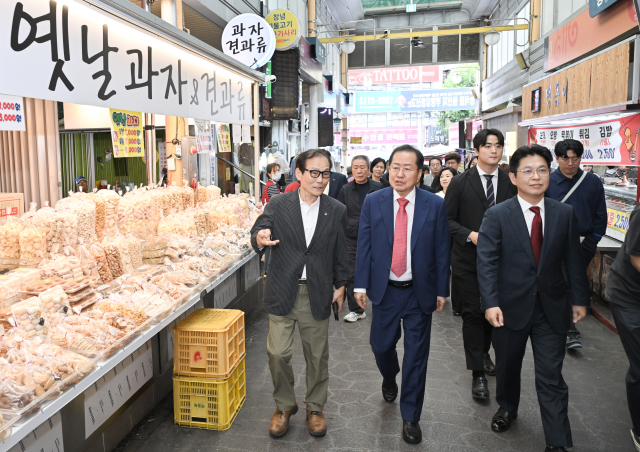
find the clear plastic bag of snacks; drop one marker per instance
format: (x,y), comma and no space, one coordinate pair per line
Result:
(214,192)
(188,196)
(111,202)
(114,258)
(55,301)
(10,238)
(88,263)
(30,317)
(33,237)
(104,270)
(135,251)
(201,220)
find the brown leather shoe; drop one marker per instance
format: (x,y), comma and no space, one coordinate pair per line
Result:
(317,423)
(280,422)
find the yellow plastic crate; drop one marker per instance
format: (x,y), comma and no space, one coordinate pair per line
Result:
(207,403)
(209,343)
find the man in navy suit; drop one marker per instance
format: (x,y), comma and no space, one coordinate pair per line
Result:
(402,264)
(335,184)
(532,279)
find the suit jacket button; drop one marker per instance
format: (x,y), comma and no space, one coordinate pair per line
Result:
(533,295)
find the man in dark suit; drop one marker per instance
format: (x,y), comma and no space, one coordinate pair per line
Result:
(403,266)
(352,196)
(468,197)
(338,180)
(531,279)
(306,232)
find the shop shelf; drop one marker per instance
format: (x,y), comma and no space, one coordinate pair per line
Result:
(207,403)
(209,343)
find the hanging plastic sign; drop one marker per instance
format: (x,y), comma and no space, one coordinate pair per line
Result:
(249,39)
(12,113)
(204,137)
(126,133)
(223,136)
(286,28)
(96,59)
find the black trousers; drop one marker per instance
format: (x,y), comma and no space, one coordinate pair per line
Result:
(476,330)
(548,354)
(628,324)
(352,247)
(588,247)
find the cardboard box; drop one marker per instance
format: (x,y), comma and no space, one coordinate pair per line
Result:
(11,204)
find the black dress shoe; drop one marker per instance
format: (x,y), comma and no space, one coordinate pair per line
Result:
(489,367)
(555,449)
(389,390)
(479,389)
(411,432)
(502,420)
(457,314)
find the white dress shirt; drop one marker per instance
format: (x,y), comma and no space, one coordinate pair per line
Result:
(484,181)
(529,215)
(411,197)
(326,189)
(309,221)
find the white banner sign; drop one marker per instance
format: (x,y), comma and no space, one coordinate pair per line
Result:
(12,113)
(47,437)
(66,51)
(204,137)
(249,39)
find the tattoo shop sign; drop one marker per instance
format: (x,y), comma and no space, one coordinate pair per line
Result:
(249,39)
(613,142)
(65,51)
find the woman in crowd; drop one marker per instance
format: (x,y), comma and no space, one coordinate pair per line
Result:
(271,189)
(473,162)
(377,170)
(443,179)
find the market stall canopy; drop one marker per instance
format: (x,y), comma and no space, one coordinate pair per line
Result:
(438,151)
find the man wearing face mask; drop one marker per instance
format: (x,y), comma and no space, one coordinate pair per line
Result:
(271,189)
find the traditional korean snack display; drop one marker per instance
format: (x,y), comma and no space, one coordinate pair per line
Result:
(10,238)
(111,202)
(114,258)
(33,236)
(55,301)
(30,317)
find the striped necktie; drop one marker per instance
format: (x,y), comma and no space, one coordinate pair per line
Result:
(491,198)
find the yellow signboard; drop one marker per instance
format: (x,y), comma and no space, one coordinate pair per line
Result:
(286,28)
(223,137)
(355,140)
(618,220)
(126,133)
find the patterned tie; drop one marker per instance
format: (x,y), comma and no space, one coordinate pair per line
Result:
(399,259)
(491,199)
(536,233)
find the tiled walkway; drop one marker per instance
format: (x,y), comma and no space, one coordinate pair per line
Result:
(359,420)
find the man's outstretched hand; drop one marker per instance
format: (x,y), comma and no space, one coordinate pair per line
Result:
(264,239)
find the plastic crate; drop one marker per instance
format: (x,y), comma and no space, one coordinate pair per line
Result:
(209,343)
(208,403)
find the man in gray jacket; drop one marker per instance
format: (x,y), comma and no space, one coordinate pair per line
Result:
(306,232)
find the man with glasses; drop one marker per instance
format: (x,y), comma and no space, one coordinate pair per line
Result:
(532,281)
(306,232)
(402,264)
(585,193)
(435,166)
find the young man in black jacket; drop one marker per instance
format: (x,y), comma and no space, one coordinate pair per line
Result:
(352,195)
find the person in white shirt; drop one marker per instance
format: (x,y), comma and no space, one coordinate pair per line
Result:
(402,265)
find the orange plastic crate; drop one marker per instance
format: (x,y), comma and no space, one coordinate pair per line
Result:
(209,343)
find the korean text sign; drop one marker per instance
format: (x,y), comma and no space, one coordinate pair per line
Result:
(204,137)
(613,142)
(224,137)
(93,59)
(249,39)
(286,28)
(385,135)
(126,133)
(414,100)
(12,113)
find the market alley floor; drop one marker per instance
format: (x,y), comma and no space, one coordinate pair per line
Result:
(360,420)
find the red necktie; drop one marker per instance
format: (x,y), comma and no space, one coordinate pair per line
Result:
(399,259)
(536,234)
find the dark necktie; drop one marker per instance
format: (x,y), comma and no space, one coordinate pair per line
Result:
(491,198)
(536,234)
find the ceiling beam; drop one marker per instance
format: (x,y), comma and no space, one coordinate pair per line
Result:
(422,34)
(419,7)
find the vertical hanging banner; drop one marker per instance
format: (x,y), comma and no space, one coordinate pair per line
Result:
(126,133)
(286,28)
(249,39)
(224,137)
(613,142)
(12,113)
(94,58)
(246,134)
(204,137)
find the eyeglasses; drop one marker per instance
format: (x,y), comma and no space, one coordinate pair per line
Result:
(315,173)
(572,159)
(542,172)
(397,169)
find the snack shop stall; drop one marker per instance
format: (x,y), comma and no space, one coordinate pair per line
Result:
(91,284)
